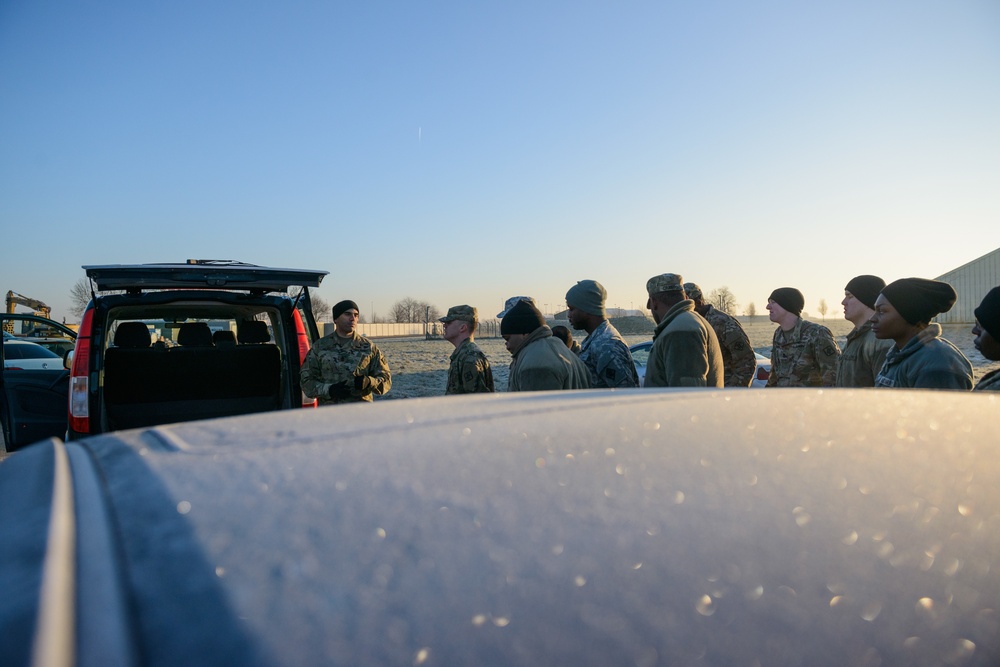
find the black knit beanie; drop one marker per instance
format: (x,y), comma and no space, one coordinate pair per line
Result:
(988,312)
(865,289)
(343,307)
(523,318)
(919,299)
(788,298)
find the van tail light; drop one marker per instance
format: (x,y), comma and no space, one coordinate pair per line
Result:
(79,394)
(763,373)
(304,346)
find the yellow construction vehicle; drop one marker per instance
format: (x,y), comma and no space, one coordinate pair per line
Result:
(14,300)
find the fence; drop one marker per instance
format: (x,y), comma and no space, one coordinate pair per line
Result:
(487,329)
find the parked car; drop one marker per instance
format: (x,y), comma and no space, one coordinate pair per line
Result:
(61,346)
(640,355)
(164,343)
(799,527)
(32,400)
(22,355)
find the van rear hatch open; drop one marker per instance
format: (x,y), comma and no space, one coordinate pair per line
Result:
(214,274)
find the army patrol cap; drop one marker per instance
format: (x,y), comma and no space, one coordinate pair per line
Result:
(513,301)
(464,313)
(665,282)
(692,291)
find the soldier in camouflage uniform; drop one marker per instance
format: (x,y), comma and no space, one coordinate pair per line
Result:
(344,367)
(603,350)
(469,372)
(686,351)
(738,358)
(803,353)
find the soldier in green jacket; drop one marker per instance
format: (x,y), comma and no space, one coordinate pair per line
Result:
(803,353)
(469,371)
(987,333)
(863,354)
(539,361)
(344,366)
(686,351)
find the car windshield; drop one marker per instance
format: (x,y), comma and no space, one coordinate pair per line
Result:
(26,350)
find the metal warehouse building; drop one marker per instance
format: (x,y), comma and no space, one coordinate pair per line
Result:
(972,281)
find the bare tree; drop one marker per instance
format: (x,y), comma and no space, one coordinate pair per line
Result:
(823,308)
(321,309)
(79,297)
(750,310)
(723,300)
(410,310)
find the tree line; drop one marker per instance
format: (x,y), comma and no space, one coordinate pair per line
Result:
(410,310)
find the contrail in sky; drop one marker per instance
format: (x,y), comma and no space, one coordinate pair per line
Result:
(420,132)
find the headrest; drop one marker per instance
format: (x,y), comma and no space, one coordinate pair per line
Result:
(195,334)
(253,331)
(224,338)
(132,334)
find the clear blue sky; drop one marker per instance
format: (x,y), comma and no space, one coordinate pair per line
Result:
(463,152)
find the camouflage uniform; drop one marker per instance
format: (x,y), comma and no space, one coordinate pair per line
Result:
(806,356)
(608,358)
(738,358)
(862,358)
(469,372)
(334,359)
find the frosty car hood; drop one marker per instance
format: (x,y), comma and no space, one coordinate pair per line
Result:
(630,527)
(217,276)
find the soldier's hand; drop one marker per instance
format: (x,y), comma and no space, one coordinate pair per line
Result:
(363,384)
(340,389)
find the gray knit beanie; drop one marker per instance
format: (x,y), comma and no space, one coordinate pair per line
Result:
(588,296)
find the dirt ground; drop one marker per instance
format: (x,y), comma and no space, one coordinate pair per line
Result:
(420,367)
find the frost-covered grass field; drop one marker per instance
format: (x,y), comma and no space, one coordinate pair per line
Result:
(420,367)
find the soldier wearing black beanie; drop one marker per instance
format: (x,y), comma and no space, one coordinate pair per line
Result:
(987,337)
(920,357)
(789,298)
(918,299)
(863,354)
(344,366)
(523,318)
(865,289)
(539,361)
(803,353)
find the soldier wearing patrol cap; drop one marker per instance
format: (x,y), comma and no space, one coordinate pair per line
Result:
(738,358)
(685,350)
(469,372)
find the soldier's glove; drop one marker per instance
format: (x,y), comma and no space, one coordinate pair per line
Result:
(340,389)
(363,384)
